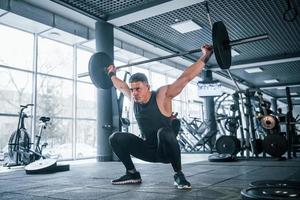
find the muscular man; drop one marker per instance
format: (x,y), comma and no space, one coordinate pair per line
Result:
(152,111)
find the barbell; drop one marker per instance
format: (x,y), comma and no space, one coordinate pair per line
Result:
(221,47)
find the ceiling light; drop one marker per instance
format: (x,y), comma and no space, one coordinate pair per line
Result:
(55,34)
(294,93)
(271,81)
(234,53)
(186,26)
(254,70)
(296,98)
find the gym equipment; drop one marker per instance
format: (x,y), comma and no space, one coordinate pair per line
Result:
(98,72)
(268,193)
(39,149)
(275,145)
(20,149)
(195,127)
(195,137)
(19,143)
(257,146)
(228,145)
(231,124)
(45,166)
(220,158)
(236,101)
(275,183)
(124,121)
(268,122)
(221,44)
(292,137)
(251,138)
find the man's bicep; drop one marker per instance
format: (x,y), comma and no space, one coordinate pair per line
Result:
(175,88)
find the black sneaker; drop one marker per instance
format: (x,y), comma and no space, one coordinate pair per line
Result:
(181,182)
(128,178)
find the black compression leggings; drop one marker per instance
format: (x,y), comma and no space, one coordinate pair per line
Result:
(166,151)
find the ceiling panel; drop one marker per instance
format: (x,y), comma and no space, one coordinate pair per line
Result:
(285,73)
(103,8)
(242,19)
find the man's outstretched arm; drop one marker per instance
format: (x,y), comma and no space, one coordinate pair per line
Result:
(118,83)
(189,73)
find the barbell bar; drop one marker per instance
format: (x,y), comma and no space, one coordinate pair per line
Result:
(249,39)
(221,46)
(231,43)
(150,60)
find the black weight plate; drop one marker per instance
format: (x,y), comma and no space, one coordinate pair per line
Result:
(43,166)
(220,158)
(268,193)
(258,146)
(227,145)
(275,183)
(46,166)
(231,124)
(222,49)
(275,145)
(61,168)
(97,70)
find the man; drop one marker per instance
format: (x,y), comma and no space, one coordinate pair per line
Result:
(153,112)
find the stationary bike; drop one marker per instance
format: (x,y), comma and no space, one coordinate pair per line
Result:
(19,145)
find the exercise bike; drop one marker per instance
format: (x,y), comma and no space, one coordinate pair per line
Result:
(20,151)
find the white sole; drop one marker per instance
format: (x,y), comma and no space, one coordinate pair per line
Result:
(182,187)
(127,182)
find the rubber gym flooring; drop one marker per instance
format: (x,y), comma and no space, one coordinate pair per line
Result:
(92,180)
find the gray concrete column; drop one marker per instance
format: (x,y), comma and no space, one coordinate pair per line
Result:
(104,43)
(209,106)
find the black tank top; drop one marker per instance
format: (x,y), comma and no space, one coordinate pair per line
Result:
(150,119)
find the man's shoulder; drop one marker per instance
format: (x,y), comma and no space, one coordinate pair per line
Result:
(162,90)
(162,93)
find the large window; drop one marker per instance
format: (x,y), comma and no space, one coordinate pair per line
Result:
(16,52)
(86,110)
(55,58)
(16,48)
(86,121)
(15,90)
(83,58)
(55,97)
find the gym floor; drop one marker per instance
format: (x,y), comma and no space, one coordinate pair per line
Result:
(91,180)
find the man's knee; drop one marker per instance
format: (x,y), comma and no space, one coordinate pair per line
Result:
(115,138)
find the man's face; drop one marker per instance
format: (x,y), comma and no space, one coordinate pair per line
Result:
(140,91)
